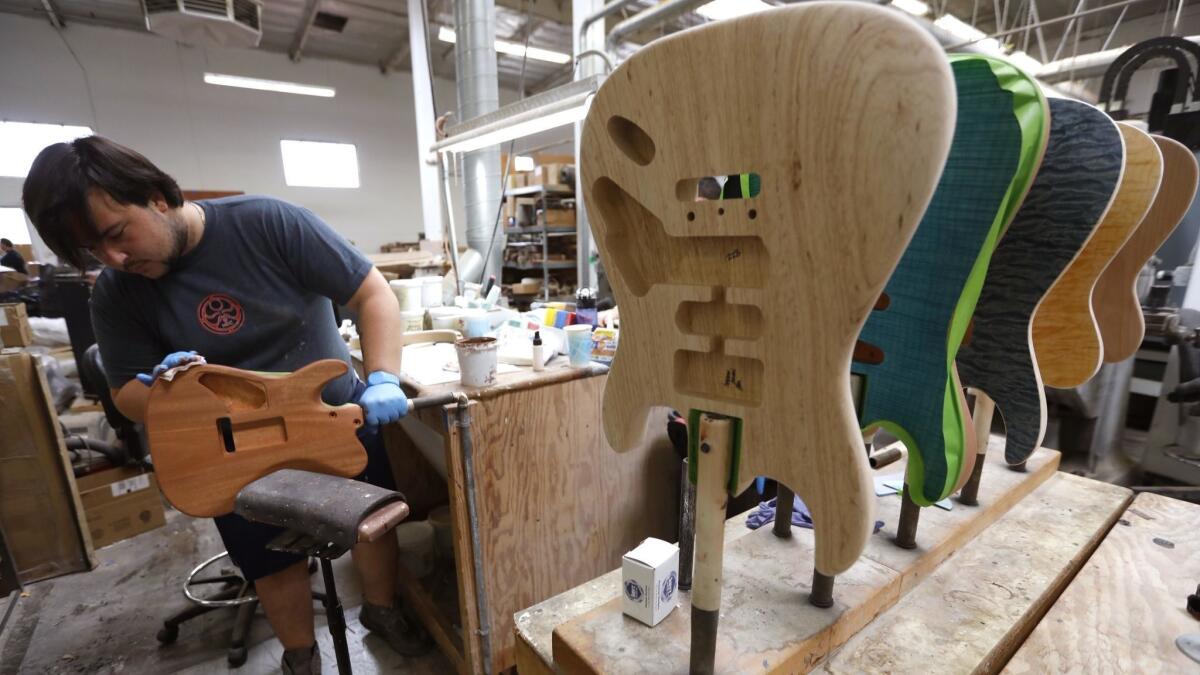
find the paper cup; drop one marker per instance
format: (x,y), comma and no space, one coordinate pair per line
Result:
(579,345)
(476,361)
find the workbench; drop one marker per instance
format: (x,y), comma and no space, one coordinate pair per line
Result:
(965,600)
(555,505)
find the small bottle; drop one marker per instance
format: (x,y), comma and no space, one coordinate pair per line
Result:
(538,364)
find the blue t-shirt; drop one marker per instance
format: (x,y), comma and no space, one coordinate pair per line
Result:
(254,293)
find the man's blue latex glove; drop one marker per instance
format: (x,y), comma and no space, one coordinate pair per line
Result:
(384,401)
(173,360)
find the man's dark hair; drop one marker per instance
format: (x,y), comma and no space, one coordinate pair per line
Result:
(55,191)
(5,241)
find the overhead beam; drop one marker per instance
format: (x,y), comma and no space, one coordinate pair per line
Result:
(52,14)
(396,59)
(302,31)
(558,11)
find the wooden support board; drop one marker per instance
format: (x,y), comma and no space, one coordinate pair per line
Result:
(761,630)
(1123,611)
(971,614)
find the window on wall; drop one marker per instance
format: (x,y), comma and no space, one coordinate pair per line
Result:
(20,142)
(313,164)
(13,225)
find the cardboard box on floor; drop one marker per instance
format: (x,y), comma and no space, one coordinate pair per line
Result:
(14,326)
(39,507)
(120,503)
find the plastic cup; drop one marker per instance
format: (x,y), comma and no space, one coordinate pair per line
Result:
(579,345)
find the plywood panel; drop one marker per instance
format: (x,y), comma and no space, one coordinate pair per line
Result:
(1123,611)
(973,612)
(767,624)
(556,505)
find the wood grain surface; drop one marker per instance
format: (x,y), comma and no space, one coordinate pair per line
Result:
(909,392)
(767,624)
(750,308)
(1118,311)
(1066,339)
(974,611)
(556,506)
(1073,189)
(1123,611)
(275,421)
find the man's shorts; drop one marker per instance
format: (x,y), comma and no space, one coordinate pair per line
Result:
(246,542)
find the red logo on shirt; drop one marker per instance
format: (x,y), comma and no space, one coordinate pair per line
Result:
(220,314)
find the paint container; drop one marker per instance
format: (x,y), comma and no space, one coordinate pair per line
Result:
(579,345)
(416,540)
(412,320)
(408,293)
(476,361)
(431,291)
(443,532)
(446,318)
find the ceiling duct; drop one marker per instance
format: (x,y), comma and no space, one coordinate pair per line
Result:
(213,23)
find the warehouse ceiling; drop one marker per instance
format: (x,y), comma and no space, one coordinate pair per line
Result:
(372,32)
(375,32)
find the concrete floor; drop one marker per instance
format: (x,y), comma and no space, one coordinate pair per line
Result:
(104,621)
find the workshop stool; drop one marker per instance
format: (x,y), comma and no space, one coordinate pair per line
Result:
(324,516)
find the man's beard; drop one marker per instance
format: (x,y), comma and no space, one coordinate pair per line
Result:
(178,230)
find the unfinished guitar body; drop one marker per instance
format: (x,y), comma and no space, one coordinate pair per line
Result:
(750,307)
(213,430)
(1066,339)
(1118,310)
(1073,189)
(998,143)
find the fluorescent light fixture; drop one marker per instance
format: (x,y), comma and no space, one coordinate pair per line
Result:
(13,225)
(967,33)
(519,130)
(511,48)
(268,85)
(20,143)
(914,7)
(522,163)
(313,164)
(727,9)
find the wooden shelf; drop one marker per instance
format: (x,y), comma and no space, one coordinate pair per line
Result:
(551,265)
(540,229)
(537,190)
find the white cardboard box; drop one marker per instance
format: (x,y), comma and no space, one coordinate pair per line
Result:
(650,579)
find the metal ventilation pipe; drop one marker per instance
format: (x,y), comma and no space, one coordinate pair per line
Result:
(478,93)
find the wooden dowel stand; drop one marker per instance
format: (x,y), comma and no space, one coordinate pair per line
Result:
(985,408)
(910,514)
(712,497)
(784,499)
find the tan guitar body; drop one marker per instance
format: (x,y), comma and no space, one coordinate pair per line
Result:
(751,307)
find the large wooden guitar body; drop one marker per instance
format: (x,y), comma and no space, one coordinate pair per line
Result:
(750,308)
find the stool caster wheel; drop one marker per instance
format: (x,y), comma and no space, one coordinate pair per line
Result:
(168,634)
(237,656)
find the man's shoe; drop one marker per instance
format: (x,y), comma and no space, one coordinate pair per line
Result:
(302,661)
(403,634)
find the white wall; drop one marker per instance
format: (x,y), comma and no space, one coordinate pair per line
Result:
(147,92)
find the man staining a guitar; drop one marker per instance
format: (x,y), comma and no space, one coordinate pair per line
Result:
(243,282)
